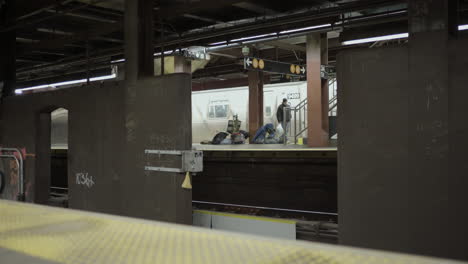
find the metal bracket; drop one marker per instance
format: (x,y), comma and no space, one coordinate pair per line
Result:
(327,71)
(192,160)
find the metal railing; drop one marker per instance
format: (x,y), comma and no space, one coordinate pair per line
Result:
(297,126)
(17,155)
(298,121)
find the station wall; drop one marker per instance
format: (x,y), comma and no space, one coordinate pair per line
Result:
(105,169)
(96,121)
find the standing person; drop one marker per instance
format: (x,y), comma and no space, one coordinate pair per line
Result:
(283,114)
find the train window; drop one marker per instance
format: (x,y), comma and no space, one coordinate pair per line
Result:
(218,111)
(211,113)
(268,111)
(221,111)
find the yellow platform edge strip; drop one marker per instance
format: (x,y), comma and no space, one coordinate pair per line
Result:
(77,237)
(249,217)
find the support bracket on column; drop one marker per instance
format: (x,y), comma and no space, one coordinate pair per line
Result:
(192,160)
(327,72)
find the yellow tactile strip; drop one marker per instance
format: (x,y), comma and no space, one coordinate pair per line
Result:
(249,217)
(75,237)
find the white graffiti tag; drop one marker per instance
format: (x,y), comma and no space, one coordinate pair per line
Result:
(83,178)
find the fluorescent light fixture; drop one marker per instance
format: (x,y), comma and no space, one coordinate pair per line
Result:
(374,39)
(54,85)
(304,29)
(463,27)
(389,37)
(253,37)
(263,39)
(217,43)
(118,61)
(165,53)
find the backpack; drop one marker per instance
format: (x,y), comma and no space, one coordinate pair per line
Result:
(238,138)
(219,138)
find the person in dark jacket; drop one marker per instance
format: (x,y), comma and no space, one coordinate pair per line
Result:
(283,110)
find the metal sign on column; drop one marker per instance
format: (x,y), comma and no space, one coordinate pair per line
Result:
(256,64)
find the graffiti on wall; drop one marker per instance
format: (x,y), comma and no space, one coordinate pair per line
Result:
(84,179)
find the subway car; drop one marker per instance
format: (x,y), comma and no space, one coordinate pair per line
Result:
(211,110)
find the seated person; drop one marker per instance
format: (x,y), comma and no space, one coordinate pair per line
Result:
(265,135)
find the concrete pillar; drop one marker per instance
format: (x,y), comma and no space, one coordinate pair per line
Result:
(138,38)
(182,65)
(402,149)
(325,91)
(255,101)
(316,97)
(428,129)
(157,117)
(7,51)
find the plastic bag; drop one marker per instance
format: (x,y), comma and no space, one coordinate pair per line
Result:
(279,131)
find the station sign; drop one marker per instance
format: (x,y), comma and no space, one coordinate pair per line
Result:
(257,64)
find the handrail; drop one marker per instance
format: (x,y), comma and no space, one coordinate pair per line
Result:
(299,114)
(299,108)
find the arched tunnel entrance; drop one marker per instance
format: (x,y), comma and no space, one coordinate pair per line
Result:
(51,178)
(58,192)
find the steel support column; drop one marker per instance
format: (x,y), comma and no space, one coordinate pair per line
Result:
(139,38)
(255,101)
(7,51)
(317,137)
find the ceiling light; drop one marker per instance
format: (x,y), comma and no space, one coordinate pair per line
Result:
(374,39)
(463,27)
(389,37)
(304,29)
(253,37)
(54,85)
(217,43)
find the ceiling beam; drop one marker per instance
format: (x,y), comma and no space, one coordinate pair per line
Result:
(93,33)
(172,11)
(83,16)
(39,6)
(220,54)
(27,8)
(256,8)
(286,46)
(204,19)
